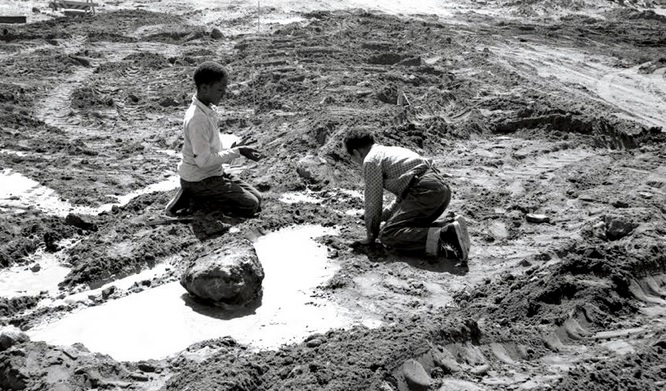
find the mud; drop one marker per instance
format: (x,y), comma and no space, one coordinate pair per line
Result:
(553,109)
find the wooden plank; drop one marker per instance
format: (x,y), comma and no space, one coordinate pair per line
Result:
(74,3)
(13,19)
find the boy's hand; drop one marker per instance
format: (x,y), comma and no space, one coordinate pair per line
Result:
(250,153)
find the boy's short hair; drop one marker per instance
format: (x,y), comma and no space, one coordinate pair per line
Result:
(358,138)
(209,72)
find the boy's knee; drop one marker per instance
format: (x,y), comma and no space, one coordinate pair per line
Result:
(252,206)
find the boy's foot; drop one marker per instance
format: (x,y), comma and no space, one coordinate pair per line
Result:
(443,220)
(464,235)
(455,237)
(180,202)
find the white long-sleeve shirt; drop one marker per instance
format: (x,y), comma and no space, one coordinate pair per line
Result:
(202,152)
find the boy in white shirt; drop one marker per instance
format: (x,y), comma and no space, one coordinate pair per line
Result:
(202,178)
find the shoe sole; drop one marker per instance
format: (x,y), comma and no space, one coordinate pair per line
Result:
(463,228)
(179,201)
(460,225)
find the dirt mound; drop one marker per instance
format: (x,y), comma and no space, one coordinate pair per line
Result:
(35,231)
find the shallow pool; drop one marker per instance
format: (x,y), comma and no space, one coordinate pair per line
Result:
(162,321)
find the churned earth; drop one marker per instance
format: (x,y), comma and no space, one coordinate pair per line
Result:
(548,119)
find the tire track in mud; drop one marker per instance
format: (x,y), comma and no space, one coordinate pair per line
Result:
(56,109)
(638,97)
(643,96)
(101,129)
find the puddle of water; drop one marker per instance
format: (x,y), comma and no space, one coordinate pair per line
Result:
(353,193)
(166,185)
(159,322)
(284,20)
(169,152)
(22,281)
(295,197)
(12,152)
(354,212)
(122,284)
(21,193)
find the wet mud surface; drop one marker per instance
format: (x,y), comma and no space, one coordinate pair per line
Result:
(549,128)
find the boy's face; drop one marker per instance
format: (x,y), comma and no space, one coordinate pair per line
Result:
(357,157)
(213,92)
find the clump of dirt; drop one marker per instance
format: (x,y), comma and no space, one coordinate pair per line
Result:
(34,231)
(118,248)
(643,370)
(87,97)
(16,305)
(330,361)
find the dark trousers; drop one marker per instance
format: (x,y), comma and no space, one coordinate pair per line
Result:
(227,193)
(411,228)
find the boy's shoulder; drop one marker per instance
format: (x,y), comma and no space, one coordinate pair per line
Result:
(193,111)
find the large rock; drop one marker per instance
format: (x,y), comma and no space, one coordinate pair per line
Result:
(229,277)
(313,169)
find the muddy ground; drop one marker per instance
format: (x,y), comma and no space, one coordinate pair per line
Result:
(547,118)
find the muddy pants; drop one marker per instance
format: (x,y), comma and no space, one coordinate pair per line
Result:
(227,193)
(410,228)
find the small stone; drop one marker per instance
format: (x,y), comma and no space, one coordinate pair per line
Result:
(70,352)
(525,263)
(35,268)
(146,366)
(106,292)
(620,204)
(537,218)
(216,33)
(480,370)
(169,102)
(385,387)
(327,100)
(139,376)
(11,336)
(416,376)
(314,342)
(79,222)
(446,361)
(618,227)
(498,230)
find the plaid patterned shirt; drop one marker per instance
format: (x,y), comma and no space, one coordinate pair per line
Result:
(390,168)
